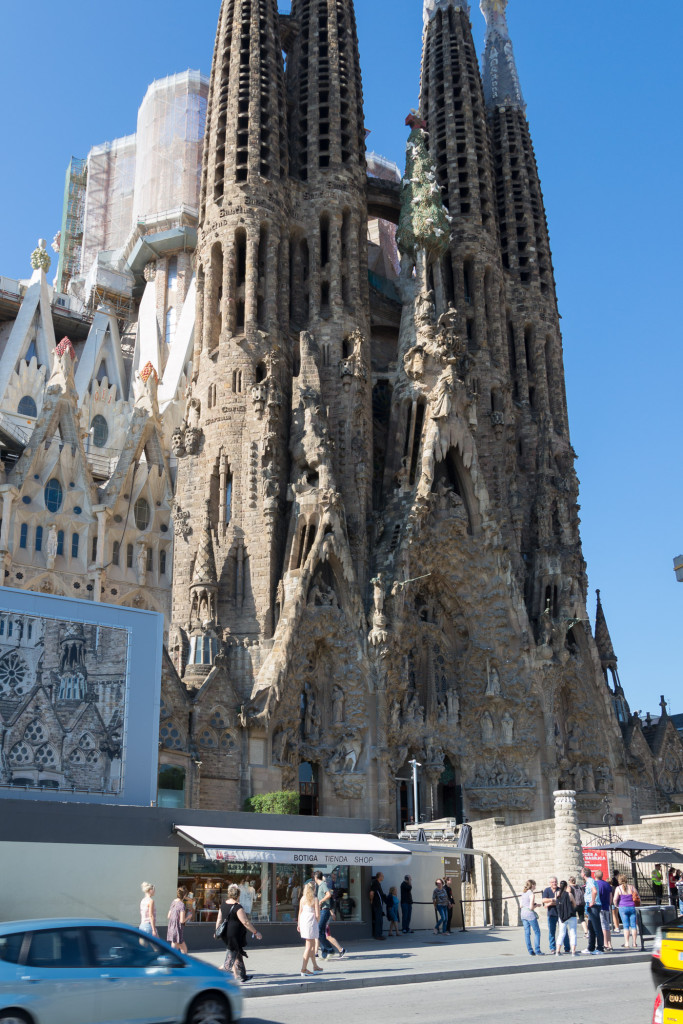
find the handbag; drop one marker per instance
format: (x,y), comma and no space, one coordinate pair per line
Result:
(636,898)
(221,930)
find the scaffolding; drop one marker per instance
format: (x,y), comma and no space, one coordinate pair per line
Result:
(73,209)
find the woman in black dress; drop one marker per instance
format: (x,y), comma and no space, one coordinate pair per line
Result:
(234,935)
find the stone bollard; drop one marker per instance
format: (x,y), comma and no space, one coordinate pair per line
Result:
(568,850)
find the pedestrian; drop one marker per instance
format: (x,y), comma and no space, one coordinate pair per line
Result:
(605,900)
(177,916)
(440,901)
(530,918)
(406,904)
(392,911)
(548,896)
(341,950)
(232,926)
(679,890)
(324,894)
(377,901)
(148,914)
(625,896)
(673,892)
(616,920)
(308,926)
(566,913)
(596,943)
(579,899)
(449,892)
(657,884)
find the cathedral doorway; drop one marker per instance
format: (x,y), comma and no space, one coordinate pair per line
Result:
(449,794)
(308,788)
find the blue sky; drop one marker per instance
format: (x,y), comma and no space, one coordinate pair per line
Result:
(602,85)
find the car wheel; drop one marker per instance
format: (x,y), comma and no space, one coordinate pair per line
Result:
(209,1009)
(14,1017)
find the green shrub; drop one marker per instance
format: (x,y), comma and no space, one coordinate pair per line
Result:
(285,801)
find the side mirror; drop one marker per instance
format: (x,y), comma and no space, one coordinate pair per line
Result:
(165,960)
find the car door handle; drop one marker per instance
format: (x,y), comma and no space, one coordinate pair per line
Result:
(29,979)
(108,977)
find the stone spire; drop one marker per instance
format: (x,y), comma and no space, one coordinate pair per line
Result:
(204,572)
(602,638)
(501,82)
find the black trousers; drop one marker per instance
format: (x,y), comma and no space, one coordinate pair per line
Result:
(377,918)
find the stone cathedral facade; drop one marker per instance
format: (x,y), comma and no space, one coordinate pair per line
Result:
(384,560)
(317,417)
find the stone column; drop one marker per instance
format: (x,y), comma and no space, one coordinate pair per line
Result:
(568,852)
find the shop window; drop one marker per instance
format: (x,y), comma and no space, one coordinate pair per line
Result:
(171,786)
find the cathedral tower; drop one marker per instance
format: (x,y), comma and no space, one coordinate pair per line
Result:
(233,444)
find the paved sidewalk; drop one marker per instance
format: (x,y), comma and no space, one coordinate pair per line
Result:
(423,956)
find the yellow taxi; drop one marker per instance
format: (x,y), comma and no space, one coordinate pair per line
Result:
(668,1008)
(667,953)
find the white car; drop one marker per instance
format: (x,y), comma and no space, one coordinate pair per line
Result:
(98,972)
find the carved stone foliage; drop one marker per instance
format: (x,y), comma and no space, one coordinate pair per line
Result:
(322,713)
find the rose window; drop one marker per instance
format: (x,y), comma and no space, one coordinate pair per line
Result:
(20,753)
(34,732)
(14,675)
(46,756)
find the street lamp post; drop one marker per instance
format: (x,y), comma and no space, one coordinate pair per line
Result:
(415,765)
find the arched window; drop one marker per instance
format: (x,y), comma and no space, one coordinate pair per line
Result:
(60,542)
(150,560)
(27,407)
(228,498)
(116,552)
(53,495)
(129,556)
(74,545)
(141,514)
(100,431)
(162,562)
(39,538)
(23,535)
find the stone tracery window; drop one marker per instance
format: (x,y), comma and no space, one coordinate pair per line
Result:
(20,753)
(35,733)
(14,675)
(169,736)
(45,756)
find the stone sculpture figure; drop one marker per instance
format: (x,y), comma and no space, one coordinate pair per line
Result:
(493,682)
(337,704)
(442,396)
(395,715)
(486,723)
(453,706)
(507,727)
(51,549)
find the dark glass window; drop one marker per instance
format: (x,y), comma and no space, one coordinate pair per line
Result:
(129,556)
(27,407)
(116,552)
(100,431)
(74,545)
(141,514)
(60,542)
(61,947)
(23,535)
(53,495)
(10,947)
(39,538)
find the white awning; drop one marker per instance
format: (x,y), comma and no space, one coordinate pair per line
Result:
(276,847)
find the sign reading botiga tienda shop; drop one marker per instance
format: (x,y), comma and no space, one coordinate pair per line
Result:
(284,847)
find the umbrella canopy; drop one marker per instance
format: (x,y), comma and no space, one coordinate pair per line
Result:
(631,846)
(666,856)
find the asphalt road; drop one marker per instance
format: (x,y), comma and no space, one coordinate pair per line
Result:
(613,993)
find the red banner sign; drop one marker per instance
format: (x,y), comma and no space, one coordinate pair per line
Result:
(596,859)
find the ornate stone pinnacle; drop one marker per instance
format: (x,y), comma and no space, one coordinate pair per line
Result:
(40,258)
(499,71)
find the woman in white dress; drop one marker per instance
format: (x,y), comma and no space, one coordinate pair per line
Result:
(307,925)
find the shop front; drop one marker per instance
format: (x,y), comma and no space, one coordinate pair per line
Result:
(271,867)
